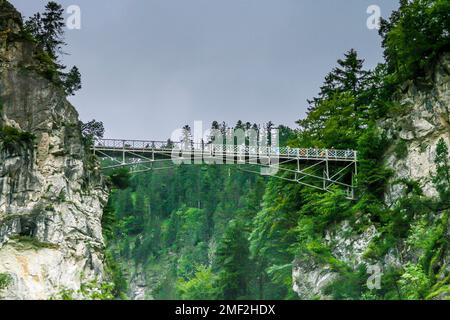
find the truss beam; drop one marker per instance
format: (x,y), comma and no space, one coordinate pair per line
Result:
(321,169)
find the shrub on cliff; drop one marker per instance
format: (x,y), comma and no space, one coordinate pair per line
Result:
(12,139)
(5,280)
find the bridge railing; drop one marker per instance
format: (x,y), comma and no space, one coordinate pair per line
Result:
(214,149)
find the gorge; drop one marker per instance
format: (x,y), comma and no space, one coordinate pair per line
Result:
(69,230)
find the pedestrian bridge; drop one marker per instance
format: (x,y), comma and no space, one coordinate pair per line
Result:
(317,168)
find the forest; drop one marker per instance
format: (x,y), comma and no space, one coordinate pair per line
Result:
(219,232)
(192,232)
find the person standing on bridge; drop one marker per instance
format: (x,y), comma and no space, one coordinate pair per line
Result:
(332,152)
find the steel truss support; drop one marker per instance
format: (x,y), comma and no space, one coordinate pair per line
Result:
(321,176)
(315,168)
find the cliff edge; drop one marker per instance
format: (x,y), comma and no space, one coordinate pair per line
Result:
(51,190)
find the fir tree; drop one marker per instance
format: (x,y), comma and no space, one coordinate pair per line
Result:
(48,29)
(71,81)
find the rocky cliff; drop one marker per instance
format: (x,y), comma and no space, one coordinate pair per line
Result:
(51,192)
(422,120)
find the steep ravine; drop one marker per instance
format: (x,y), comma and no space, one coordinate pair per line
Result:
(51,193)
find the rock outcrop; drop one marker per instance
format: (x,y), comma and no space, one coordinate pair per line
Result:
(51,191)
(415,132)
(311,278)
(424,121)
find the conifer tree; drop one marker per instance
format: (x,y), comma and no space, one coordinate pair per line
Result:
(233,259)
(48,28)
(71,81)
(48,31)
(339,112)
(442,177)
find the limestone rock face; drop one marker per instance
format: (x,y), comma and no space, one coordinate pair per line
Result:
(310,278)
(138,285)
(51,191)
(425,121)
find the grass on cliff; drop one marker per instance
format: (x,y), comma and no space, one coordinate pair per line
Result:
(31,243)
(13,139)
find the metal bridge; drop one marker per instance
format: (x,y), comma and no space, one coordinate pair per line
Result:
(317,168)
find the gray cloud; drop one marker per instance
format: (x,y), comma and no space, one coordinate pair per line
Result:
(151,66)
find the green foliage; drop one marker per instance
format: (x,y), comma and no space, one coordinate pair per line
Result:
(414,283)
(338,115)
(398,220)
(421,235)
(5,281)
(29,242)
(200,287)
(401,149)
(320,212)
(233,258)
(172,221)
(12,139)
(389,284)
(207,227)
(440,290)
(109,220)
(442,177)
(92,131)
(373,176)
(48,67)
(88,291)
(412,187)
(71,81)
(327,209)
(113,268)
(414,37)
(118,288)
(345,116)
(47,30)
(192,223)
(349,285)
(424,235)
(120,178)
(273,234)
(435,246)
(396,223)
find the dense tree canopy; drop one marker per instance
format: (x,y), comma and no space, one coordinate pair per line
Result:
(218,232)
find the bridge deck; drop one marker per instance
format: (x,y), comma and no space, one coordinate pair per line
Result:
(115,147)
(312,168)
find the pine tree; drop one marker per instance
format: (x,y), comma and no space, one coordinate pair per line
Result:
(339,112)
(233,259)
(48,29)
(348,76)
(53,24)
(92,130)
(72,81)
(187,136)
(442,177)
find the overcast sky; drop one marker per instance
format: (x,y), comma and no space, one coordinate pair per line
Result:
(151,66)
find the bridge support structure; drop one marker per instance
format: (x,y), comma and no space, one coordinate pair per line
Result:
(322,169)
